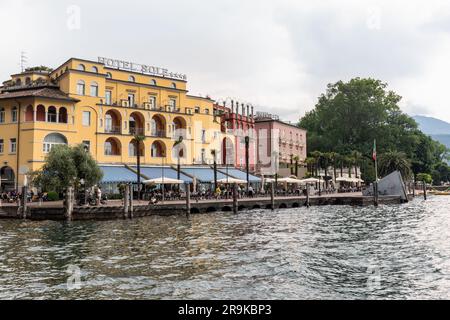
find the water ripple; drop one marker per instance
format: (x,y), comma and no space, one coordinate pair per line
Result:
(395,252)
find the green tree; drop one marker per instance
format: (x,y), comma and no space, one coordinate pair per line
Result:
(357,158)
(317,156)
(394,161)
(424,177)
(66,166)
(351,115)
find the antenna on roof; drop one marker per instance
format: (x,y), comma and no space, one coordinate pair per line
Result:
(23,60)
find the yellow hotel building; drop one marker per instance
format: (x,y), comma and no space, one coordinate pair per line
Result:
(102,104)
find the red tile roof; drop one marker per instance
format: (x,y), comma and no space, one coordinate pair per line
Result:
(41,92)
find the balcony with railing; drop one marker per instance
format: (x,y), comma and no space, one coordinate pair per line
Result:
(158,134)
(137,131)
(113,129)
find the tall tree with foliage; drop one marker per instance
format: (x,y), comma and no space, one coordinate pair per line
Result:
(65,167)
(351,115)
(394,161)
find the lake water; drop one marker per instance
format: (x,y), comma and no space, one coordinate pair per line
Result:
(339,252)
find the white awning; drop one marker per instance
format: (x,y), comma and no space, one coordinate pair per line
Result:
(231,181)
(291,180)
(163,180)
(310,180)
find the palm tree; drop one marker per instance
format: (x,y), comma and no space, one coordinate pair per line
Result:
(292,164)
(176,144)
(349,161)
(138,140)
(296,160)
(214,154)
(394,161)
(317,155)
(326,158)
(357,157)
(334,157)
(310,165)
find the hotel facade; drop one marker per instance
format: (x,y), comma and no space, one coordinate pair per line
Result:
(104,104)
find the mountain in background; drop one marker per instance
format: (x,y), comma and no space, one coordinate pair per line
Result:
(432,126)
(439,130)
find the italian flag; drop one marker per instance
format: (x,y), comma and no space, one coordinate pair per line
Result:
(374,154)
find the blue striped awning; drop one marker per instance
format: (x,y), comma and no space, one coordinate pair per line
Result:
(157,172)
(241,175)
(117,174)
(203,175)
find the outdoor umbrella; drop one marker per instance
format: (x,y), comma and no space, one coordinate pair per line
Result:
(163,180)
(231,181)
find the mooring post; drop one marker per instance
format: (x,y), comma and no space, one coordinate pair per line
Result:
(424,190)
(307,196)
(131,204)
(272,196)
(235,199)
(126,199)
(375,194)
(23,201)
(68,203)
(188,199)
(414,188)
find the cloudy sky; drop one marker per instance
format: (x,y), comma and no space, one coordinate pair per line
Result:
(278,55)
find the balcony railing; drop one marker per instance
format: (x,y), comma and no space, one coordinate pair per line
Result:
(113,130)
(137,131)
(158,134)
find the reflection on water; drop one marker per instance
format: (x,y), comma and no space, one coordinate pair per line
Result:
(323,252)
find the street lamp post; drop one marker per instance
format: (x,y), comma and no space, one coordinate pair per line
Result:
(247,159)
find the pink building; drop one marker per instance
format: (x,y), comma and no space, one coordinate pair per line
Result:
(278,143)
(238,121)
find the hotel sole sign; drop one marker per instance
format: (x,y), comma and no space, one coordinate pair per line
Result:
(141,68)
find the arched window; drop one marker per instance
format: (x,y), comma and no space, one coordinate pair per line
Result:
(52,140)
(94,89)
(81,67)
(40,113)
(113,122)
(94,69)
(62,115)
(173,85)
(108,75)
(51,114)
(158,126)
(133,147)
(81,87)
(29,114)
(158,150)
(153,82)
(131,79)
(27,80)
(112,147)
(19,82)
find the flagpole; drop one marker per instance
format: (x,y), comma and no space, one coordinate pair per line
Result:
(375,184)
(376,161)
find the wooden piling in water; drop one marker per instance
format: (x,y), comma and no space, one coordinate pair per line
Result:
(235,200)
(375,194)
(126,199)
(272,196)
(307,196)
(131,202)
(23,202)
(424,190)
(69,199)
(188,199)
